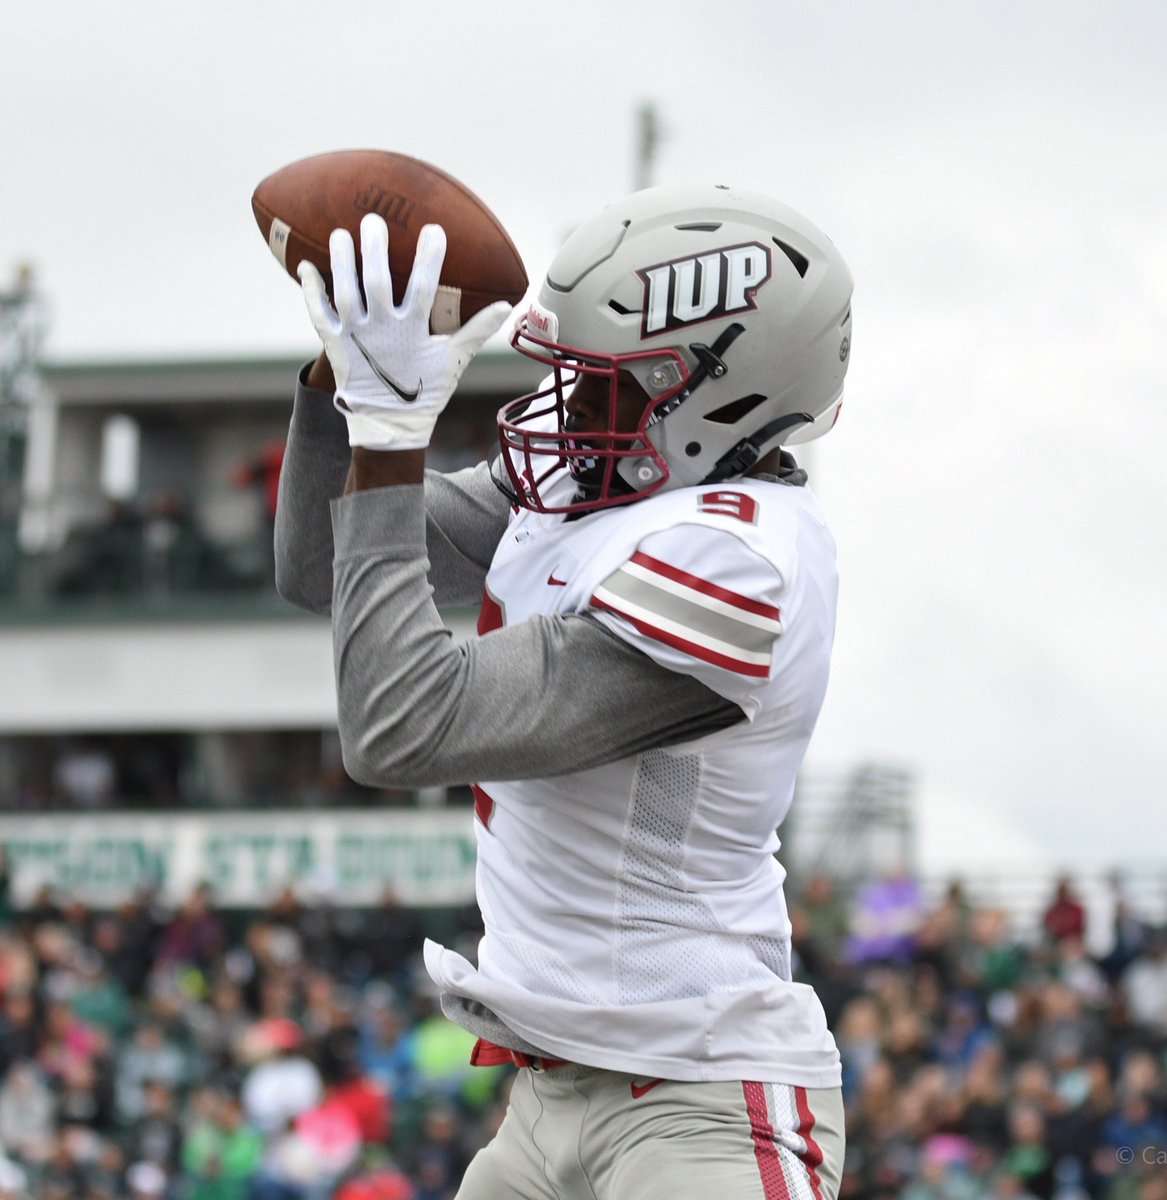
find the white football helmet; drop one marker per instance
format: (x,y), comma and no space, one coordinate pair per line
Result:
(731,311)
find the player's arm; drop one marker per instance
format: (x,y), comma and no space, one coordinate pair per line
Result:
(316,464)
(545,697)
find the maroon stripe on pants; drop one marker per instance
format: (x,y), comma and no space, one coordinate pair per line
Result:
(814,1152)
(769,1166)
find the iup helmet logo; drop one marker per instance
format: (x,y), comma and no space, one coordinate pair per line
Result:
(702,287)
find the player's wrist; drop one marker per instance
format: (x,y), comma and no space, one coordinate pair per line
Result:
(320,376)
(384,468)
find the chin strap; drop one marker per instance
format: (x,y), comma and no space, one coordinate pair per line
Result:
(742,457)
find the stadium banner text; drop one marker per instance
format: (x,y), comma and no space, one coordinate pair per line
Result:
(349,856)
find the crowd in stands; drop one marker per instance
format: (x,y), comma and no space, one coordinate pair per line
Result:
(978,1066)
(298,1053)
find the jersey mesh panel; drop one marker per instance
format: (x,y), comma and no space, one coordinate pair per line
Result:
(669,941)
(773,952)
(662,929)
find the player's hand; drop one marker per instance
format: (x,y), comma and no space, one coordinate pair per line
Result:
(393,377)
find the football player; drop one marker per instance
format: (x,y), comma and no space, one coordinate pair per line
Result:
(658,603)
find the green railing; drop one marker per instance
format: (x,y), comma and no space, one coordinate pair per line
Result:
(129,573)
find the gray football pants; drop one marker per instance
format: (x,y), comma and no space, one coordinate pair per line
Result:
(578,1133)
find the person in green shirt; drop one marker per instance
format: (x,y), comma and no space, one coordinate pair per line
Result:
(221,1152)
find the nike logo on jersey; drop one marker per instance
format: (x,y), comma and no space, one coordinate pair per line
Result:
(553,582)
(405,393)
(639,1089)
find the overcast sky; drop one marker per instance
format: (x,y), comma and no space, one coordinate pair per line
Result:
(995,173)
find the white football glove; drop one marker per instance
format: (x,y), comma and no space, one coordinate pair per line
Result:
(393,377)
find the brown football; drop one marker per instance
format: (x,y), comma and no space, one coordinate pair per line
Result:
(299,205)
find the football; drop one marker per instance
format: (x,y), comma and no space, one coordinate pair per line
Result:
(299,206)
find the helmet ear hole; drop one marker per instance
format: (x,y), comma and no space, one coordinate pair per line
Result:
(735,410)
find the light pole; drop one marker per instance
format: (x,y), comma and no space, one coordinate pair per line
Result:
(22,329)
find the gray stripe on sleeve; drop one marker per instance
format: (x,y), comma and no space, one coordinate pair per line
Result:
(623,585)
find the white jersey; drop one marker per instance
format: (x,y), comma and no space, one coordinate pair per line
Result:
(634,912)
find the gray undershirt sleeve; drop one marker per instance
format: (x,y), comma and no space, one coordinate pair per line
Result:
(316,462)
(466,514)
(548,696)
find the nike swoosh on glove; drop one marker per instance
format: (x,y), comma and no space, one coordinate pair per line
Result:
(393,377)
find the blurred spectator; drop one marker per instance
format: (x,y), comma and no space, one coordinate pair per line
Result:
(283,1083)
(43,910)
(1066,915)
(85,1095)
(387,1044)
(964,1034)
(906,1043)
(146,1181)
(1067,1028)
(348,1088)
(13,1180)
(442,1062)
(262,470)
(984,1100)
(103,560)
(886,919)
(20,1034)
(195,937)
(28,1112)
(1145,986)
(68,1044)
(439,1155)
(1136,1125)
(19,967)
(5,889)
(156,1136)
(945,932)
(148,1058)
(385,1183)
(130,943)
(221,1152)
(823,923)
(389,937)
(1028,1157)
(217,1024)
(1128,937)
(993,961)
(1142,1073)
(84,775)
(1080,973)
(101,1000)
(176,557)
(860,1040)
